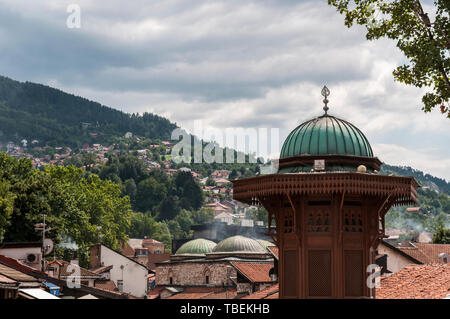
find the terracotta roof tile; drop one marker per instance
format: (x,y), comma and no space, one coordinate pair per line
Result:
(416,282)
(15,264)
(102,269)
(205,293)
(274,251)
(427,253)
(6,280)
(255,272)
(83,271)
(106,285)
(15,274)
(266,293)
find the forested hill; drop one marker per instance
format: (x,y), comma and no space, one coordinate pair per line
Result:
(37,112)
(437,184)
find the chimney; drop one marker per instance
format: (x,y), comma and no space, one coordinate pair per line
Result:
(444,257)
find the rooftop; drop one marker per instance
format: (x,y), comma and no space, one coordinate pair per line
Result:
(205,293)
(416,282)
(255,272)
(198,246)
(326,135)
(239,244)
(270,292)
(426,253)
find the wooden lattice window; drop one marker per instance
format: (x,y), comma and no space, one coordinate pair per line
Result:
(319,273)
(319,221)
(288,222)
(290,273)
(353,221)
(354,276)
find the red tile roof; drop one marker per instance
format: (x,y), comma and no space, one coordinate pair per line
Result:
(15,264)
(84,273)
(106,285)
(16,275)
(416,282)
(426,253)
(102,269)
(267,293)
(6,280)
(255,272)
(205,293)
(274,251)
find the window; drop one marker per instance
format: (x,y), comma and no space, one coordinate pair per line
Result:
(171,281)
(207,279)
(120,285)
(319,221)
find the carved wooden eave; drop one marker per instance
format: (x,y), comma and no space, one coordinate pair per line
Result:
(401,190)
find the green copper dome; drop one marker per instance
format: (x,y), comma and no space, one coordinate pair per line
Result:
(196,247)
(239,244)
(326,135)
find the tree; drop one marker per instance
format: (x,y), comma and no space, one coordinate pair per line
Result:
(86,210)
(442,235)
(6,207)
(149,194)
(425,43)
(130,189)
(203,215)
(142,225)
(210,182)
(169,208)
(188,190)
(90,209)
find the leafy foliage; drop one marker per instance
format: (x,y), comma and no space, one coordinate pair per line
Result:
(425,43)
(442,235)
(86,210)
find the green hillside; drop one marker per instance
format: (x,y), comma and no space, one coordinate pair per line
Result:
(38,112)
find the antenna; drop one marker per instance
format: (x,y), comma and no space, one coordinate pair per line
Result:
(43,227)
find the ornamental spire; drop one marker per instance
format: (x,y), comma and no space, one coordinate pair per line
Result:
(325,94)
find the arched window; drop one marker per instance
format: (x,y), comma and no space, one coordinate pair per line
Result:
(207,275)
(170,275)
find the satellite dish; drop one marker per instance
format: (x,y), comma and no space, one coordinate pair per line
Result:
(48,246)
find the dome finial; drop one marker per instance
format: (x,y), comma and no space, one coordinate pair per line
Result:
(325,94)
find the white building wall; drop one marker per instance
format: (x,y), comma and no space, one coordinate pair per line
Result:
(133,275)
(21,255)
(395,261)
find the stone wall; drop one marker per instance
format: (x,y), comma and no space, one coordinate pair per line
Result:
(194,273)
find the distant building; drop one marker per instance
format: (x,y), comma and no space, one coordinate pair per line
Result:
(396,259)
(427,253)
(127,274)
(224,218)
(236,266)
(246,223)
(217,231)
(59,269)
(29,253)
(141,249)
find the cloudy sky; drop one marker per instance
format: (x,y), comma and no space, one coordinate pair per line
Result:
(231,63)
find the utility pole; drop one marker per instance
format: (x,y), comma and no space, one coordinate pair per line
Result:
(42,227)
